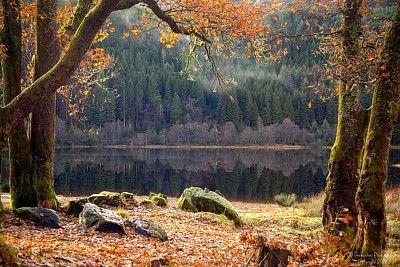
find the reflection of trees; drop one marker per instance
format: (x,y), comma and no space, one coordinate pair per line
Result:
(239,174)
(236,173)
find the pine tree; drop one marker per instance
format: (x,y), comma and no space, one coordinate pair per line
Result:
(176,110)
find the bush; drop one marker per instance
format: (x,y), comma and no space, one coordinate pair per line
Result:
(285,200)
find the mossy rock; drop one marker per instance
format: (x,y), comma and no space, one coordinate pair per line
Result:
(150,229)
(129,198)
(146,202)
(107,193)
(74,207)
(106,198)
(7,254)
(212,217)
(196,200)
(159,200)
(127,195)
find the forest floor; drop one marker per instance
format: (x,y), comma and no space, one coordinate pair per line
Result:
(194,239)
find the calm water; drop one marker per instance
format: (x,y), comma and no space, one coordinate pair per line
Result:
(240,174)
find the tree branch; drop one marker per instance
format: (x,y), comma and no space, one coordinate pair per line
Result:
(162,15)
(126,4)
(22,105)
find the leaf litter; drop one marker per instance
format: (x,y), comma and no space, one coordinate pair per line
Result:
(193,239)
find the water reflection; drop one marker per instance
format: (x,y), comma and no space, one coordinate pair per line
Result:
(239,174)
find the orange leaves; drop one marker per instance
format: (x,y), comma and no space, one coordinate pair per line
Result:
(218,22)
(168,38)
(383,68)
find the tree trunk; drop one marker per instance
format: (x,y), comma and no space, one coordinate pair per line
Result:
(344,162)
(19,147)
(370,240)
(43,118)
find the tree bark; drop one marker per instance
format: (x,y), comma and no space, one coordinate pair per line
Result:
(370,240)
(344,162)
(20,107)
(19,147)
(43,117)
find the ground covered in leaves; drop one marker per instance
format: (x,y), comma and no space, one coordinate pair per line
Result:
(194,239)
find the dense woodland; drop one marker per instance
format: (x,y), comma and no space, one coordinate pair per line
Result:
(151,101)
(143,98)
(148,96)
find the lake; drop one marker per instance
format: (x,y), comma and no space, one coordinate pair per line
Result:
(239,174)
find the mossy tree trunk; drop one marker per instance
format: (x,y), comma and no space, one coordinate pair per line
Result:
(26,182)
(43,117)
(31,160)
(19,147)
(370,199)
(344,162)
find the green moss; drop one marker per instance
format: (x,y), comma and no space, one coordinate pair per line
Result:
(108,193)
(106,198)
(127,195)
(123,213)
(7,254)
(159,200)
(196,199)
(74,207)
(146,202)
(214,217)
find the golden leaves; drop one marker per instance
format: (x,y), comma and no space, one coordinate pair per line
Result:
(219,23)
(168,38)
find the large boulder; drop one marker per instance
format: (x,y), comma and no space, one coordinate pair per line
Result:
(103,220)
(148,229)
(106,198)
(41,216)
(196,199)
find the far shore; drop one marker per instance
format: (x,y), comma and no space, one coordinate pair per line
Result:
(233,147)
(250,147)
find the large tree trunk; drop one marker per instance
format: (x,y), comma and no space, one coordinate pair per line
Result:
(43,118)
(19,147)
(370,240)
(344,162)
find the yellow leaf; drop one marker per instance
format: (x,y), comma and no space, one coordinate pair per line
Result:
(309,105)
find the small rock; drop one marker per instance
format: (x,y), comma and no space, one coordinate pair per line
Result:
(106,198)
(150,229)
(41,216)
(160,262)
(74,207)
(159,200)
(103,220)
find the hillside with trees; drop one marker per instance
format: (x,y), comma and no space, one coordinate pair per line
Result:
(152,99)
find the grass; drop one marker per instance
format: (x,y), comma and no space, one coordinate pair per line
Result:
(393,203)
(123,213)
(312,205)
(285,200)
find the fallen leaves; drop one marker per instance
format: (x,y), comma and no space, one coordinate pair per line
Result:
(193,240)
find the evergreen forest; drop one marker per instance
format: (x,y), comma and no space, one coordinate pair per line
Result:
(154,97)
